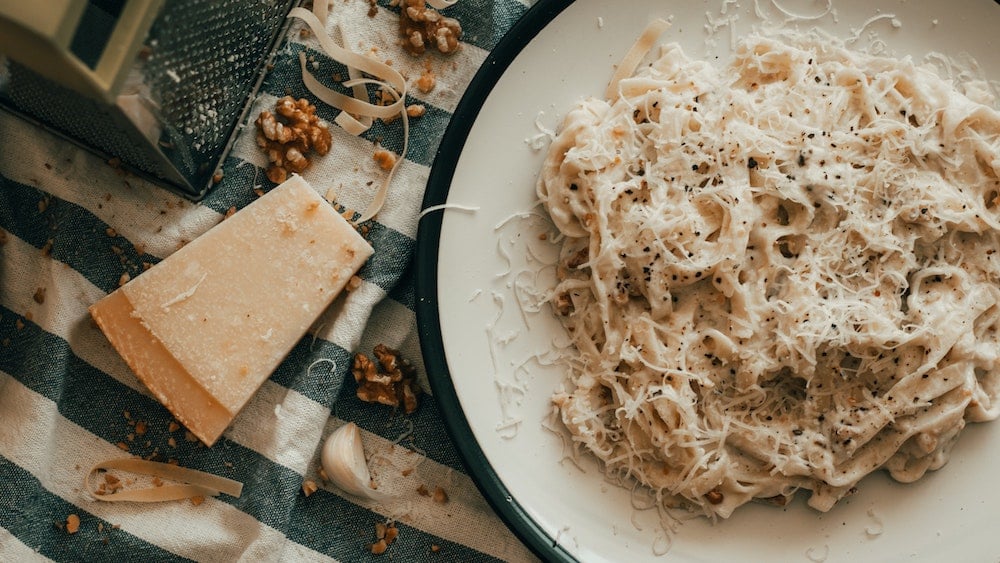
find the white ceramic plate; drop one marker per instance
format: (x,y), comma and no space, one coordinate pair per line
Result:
(478,344)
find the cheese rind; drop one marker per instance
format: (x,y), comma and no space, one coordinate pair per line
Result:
(230,305)
(170,383)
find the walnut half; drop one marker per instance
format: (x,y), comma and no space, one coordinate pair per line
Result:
(423,27)
(391,381)
(289,134)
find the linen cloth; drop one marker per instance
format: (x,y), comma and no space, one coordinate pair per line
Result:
(71,226)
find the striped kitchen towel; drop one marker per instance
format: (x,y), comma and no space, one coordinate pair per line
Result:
(71,227)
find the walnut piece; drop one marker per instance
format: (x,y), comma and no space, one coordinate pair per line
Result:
(426,82)
(288,135)
(385,534)
(385,159)
(440,496)
(379,547)
(391,381)
(309,487)
(422,27)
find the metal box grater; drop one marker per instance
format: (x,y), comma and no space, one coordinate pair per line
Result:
(161,85)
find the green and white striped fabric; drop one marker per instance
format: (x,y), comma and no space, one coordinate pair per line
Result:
(71,226)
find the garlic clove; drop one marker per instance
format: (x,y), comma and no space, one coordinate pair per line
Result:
(343,459)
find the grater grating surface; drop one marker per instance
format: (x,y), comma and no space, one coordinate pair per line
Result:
(185,97)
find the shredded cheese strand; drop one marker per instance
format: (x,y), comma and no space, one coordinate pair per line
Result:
(196,483)
(443,206)
(804,17)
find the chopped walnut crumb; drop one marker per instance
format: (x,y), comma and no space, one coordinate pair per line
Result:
(123,279)
(110,485)
(72,523)
(385,534)
(391,532)
(122,446)
(189,436)
(372,8)
(391,385)
(440,496)
(422,491)
(426,82)
(111,232)
(422,27)
(416,110)
(288,135)
(309,487)
(353,283)
(173,426)
(197,500)
(39,295)
(218,176)
(385,159)
(141,427)
(435,548)
(563,304)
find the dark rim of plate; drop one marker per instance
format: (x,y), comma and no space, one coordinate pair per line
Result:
(426,261)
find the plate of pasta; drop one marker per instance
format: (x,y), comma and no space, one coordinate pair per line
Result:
(703,280)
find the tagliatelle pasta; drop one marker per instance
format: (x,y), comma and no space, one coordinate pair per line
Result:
(191,482)
(778,275)
(386,77)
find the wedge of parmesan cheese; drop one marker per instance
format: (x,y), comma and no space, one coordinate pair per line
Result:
(206,326)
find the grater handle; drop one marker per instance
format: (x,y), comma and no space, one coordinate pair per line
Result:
(41,39)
